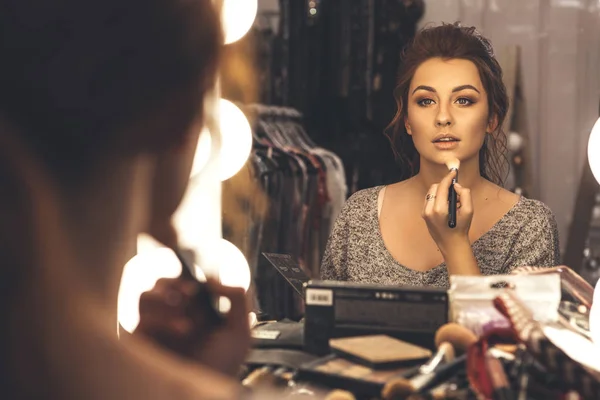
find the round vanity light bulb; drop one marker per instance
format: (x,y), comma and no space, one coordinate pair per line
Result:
(236,139)
(202,152)
(233,267)
(140,275)
(236,142)
(237,18)
(594,150)
(515,142)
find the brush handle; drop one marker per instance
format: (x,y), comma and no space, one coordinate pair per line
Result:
(444,351)
(497,375)
(203,298)
(187,271)
(452,201)
(423,383)
(504,393)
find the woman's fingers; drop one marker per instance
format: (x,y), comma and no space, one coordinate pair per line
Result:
(443,189)
(464,195)
(237,317)
(430,201)
(436,201)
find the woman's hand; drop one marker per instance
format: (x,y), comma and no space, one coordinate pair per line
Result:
(454,242)
(435,213)
(170,317)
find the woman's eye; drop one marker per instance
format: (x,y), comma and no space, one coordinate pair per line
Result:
(463,101)
(425,102)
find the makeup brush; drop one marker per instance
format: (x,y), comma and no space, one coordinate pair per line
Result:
(340,395)
(445,391)
(445,353)
(203,297)
(259,377)
(450,339)
(498,378)
(452,164)
(402,388)
(458,336)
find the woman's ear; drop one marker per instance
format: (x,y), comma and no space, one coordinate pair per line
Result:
(492,124)
(407,126)
(403,110)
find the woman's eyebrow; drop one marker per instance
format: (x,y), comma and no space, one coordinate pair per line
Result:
(456,89)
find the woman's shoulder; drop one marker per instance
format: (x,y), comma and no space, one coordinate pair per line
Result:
(530,217)
(522,216)
(361,203)
(363,198)
(534,210)
(364,195)
(523,209)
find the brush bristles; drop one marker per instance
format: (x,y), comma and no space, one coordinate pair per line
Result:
(458,336)
(453,164)
(397,389)
(340,395)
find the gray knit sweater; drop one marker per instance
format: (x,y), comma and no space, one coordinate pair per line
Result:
(526,235)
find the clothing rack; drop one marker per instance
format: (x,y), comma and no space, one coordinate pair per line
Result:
(336,62)
(285,200)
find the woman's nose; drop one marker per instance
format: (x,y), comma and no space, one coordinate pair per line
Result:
(443,118)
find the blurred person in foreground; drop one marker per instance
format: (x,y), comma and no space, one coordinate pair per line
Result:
(101,103)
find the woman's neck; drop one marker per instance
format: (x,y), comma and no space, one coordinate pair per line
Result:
(102,224)
(430,174)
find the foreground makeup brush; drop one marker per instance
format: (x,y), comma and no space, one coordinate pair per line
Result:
(259,377)
(446,391)
(338,394)
(459,336)
(497,375)
(449,337)
(452,164)
(397,389)
(445,354)
(203,298)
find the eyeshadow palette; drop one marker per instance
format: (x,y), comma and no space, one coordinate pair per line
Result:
(336,372)
(379,351)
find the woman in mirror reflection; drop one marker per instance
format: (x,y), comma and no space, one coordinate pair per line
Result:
(452,103)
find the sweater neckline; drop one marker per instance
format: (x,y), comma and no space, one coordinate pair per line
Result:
(375,225)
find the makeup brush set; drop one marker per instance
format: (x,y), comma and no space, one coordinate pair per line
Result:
(534,343)
(375,367)
(368,367)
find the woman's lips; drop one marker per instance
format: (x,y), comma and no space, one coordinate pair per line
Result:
(446,145)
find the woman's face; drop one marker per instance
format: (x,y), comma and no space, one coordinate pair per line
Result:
(448,113)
